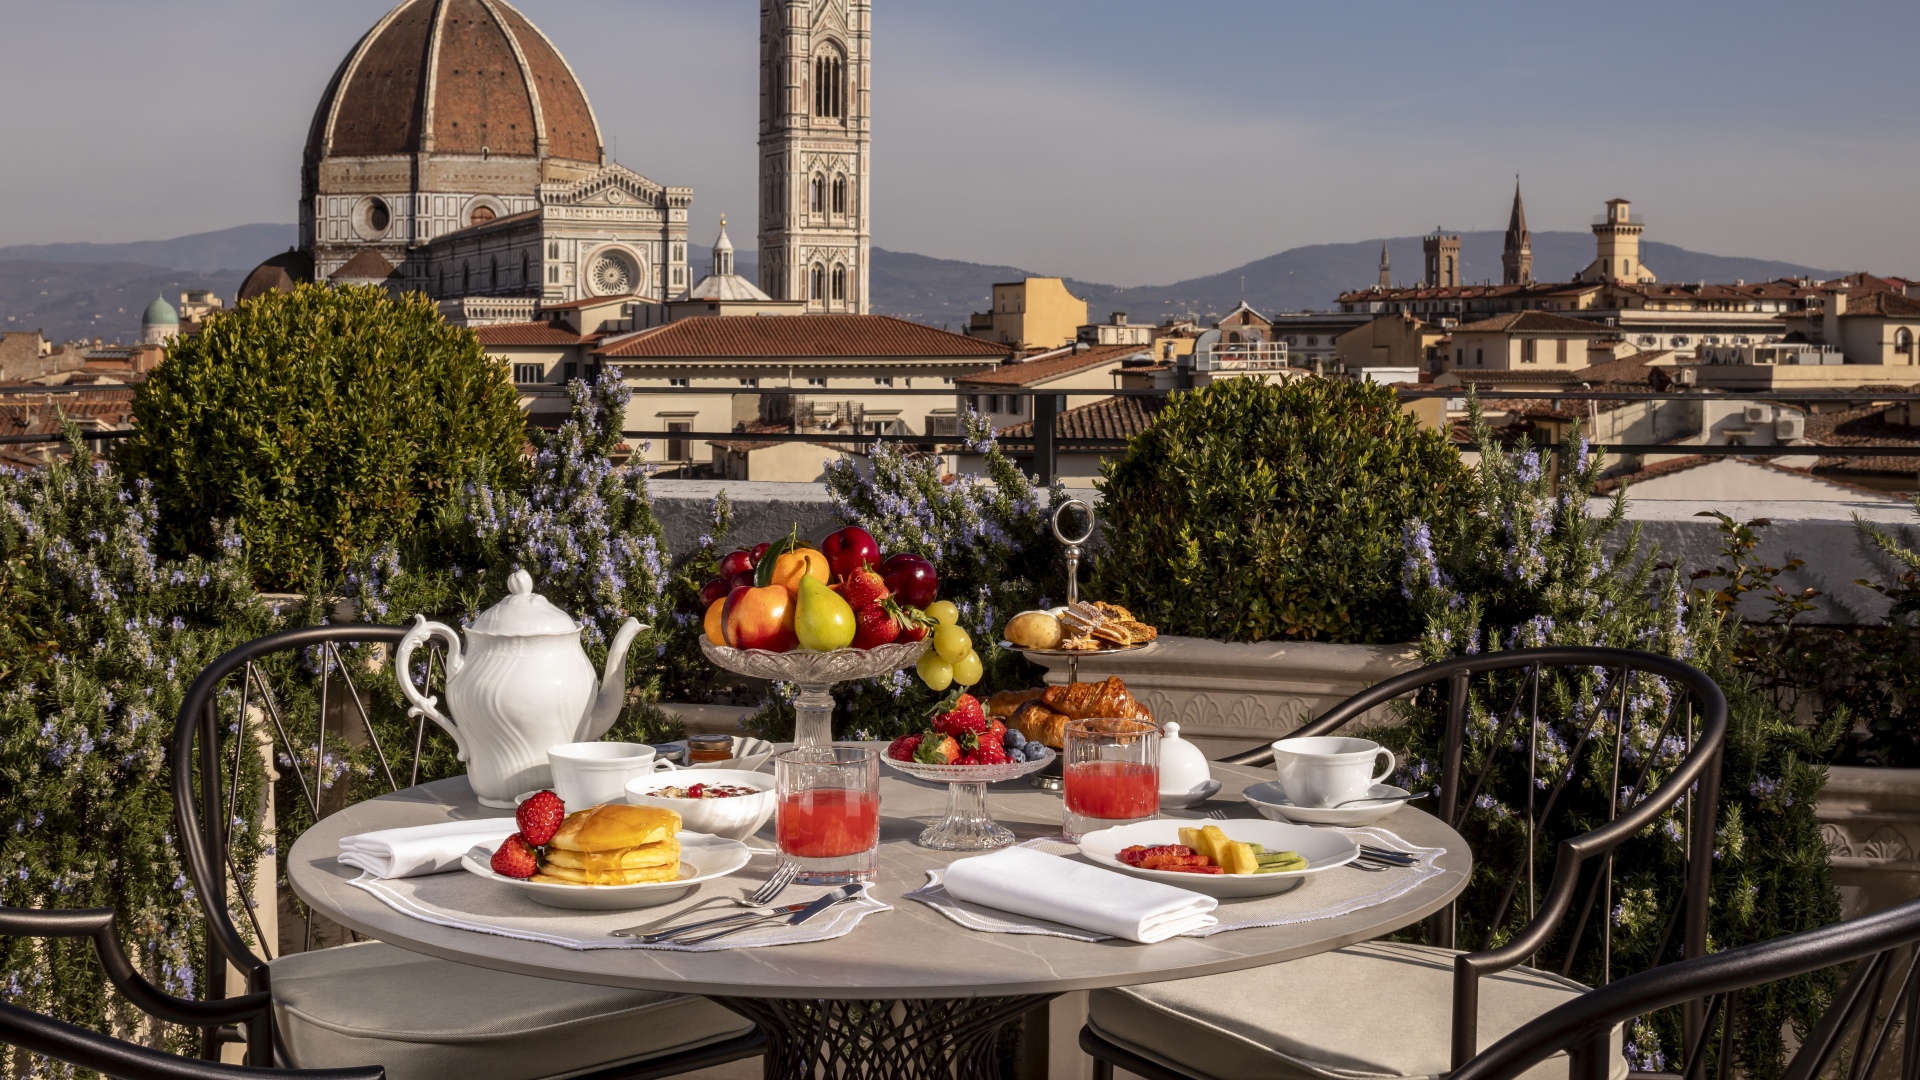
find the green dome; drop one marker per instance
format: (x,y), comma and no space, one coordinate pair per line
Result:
(160,313)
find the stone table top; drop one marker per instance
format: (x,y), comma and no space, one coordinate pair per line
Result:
(910,952)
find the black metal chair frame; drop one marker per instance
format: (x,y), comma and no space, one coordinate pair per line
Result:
(75,1045)
(1695,778)
(1884,940)
(201,816)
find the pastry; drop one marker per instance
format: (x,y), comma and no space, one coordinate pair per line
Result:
(614,844)
(1035,630)
(1007,702)
(1040,724)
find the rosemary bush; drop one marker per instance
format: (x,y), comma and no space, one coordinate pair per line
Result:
(1535,567)
(100,635)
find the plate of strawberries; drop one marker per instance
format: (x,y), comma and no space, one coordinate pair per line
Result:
(967,750)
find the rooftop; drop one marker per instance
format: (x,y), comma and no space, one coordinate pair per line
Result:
(800,336)
(1033,372)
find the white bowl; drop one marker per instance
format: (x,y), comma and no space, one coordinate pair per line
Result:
(1323,850)
(1271,800)
(735,818)
(702,858)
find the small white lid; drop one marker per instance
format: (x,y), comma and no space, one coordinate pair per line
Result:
(524,613)
(1183,768)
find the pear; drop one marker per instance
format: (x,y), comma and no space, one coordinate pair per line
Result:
(823,621)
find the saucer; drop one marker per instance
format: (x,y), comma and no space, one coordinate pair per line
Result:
(1272,802)
(1183,800)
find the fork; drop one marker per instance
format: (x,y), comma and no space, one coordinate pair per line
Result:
(782,877)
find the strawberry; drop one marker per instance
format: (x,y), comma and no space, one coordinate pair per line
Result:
(991,753)
(863,588)
(540,817)
(937,749)
(902,748)
(874,626)
(515,858)
(962,717)
(970,759)
(914,625)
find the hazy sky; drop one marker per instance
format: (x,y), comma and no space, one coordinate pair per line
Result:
(1114,140)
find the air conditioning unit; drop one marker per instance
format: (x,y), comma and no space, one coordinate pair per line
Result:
(1759,414)
(1686,376)
(1790,428)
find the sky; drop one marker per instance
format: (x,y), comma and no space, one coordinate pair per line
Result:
(1120,141)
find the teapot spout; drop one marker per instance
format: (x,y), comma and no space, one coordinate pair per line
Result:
(612,695)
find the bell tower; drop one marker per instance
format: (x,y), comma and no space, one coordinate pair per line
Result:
(1516,259)
(815,137)
(1443,259)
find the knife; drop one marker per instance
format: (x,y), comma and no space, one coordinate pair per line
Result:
(800,914)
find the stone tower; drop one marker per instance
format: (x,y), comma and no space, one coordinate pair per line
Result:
(1616,241)
(1516,259)
(1443,259)
(815,139)
(1386,268)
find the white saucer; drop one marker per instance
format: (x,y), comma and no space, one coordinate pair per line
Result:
(702,858)
(1322,850)
(1183,800)
(1272,802)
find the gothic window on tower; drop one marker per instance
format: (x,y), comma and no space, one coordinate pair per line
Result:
(839,283)
(830,86)
(817,283)
(816,198)
(839,194)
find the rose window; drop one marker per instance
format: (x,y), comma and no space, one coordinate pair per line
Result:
(614,274)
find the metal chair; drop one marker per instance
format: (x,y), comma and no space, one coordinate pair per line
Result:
(1384,1008)
(52,1038)
(1879,996)
(422,1018)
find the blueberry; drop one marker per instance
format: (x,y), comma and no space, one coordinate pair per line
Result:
(1035,751)
(1015,739)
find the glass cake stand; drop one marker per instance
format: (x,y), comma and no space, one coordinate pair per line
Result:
(968,826)
(815,673)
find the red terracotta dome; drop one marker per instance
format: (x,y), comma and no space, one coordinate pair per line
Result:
(455,77)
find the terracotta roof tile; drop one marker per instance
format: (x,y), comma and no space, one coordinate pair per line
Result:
(1883,305)
(723,337)
(1531,322)
(1114,419)
(1029,372)
(368,265)
(528,333)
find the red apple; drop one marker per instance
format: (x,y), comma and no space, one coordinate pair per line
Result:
(744,577)
(759,619)
(759,552)
(850,549)
(912,579)
(734,562)
(717,589)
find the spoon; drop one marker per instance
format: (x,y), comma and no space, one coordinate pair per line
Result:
(1382,799)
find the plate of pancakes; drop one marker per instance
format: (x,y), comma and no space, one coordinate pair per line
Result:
(616,857)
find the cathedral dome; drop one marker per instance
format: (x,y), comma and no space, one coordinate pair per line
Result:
(464,77)
(160,313)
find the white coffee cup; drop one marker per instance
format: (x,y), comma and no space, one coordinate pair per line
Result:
(591,773)
(1329,770)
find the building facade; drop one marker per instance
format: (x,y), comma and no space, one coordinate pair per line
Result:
(815,140)
(1036,313)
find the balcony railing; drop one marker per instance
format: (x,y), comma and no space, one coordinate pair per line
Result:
(1248,356)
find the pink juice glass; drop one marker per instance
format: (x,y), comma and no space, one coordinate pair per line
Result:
(1111,769)
(827,812)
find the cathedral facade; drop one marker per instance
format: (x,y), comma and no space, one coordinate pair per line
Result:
(815,152)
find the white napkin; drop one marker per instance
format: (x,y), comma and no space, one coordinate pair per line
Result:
(1028,882)
(421,849)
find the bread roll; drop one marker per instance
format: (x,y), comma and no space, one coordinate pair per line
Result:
(1035,630)
(615,827)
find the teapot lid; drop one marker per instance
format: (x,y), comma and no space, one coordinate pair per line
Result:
(523,613)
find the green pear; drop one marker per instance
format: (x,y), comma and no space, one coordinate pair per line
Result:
(823,621)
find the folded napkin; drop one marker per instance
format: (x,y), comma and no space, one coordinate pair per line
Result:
(421,849)
(1028,882)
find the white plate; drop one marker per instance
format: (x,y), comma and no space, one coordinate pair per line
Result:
(1182,800)
(702,858)
(1271,800)
(1323,851)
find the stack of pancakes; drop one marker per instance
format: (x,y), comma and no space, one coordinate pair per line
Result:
(615,844)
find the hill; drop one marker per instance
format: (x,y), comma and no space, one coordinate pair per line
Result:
(243,246)
(70,301)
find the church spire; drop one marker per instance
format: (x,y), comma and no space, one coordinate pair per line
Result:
(1516,259)
(1386,268)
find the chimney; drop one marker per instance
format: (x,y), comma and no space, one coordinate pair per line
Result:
(1830,321)
(1119,318)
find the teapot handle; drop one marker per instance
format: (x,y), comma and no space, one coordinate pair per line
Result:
(421,632)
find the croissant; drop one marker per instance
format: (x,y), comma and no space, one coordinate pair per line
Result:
(1108,698)
(1007,702)
(1040,724)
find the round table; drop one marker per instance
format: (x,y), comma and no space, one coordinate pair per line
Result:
(908,992)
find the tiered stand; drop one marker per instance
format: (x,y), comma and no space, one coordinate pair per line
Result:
(815,673)
(968,826)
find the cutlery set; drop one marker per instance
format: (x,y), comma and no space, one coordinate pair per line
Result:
(713,929)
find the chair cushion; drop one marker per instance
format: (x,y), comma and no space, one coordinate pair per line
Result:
(430,1019)
(1368,1011)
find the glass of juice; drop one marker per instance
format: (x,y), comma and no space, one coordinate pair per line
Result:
(1111,769)
(827,813)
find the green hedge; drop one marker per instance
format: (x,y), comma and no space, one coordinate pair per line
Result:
(324,423)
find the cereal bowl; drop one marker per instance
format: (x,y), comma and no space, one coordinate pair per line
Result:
(735,817)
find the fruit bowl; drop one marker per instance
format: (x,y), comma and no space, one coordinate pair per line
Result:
(968,826)
(815,673)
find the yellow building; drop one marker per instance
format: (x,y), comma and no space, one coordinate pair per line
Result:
(1525,341)
(1392,341)
(1036,313)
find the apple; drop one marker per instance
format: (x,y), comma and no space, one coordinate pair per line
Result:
(759,552)
(717,589)
(850,549)
(744,577)
(735,562)
(759,618)
(912,579)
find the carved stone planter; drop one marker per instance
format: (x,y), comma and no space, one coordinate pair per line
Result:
(1230,696)
(1871,821)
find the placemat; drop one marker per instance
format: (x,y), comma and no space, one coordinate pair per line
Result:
(1337,891)
(469,902)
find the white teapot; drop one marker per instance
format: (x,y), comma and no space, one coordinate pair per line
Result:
(523,684)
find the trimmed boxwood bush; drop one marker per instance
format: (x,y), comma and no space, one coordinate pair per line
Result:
(323,423)
(1253,512)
